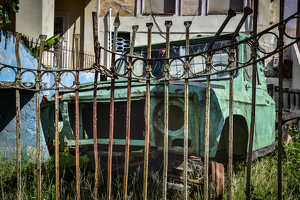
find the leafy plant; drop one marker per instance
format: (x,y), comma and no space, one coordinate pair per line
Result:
(5,9)
(34,47)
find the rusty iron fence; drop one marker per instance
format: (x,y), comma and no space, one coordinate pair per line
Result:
(68,58)
(252,41)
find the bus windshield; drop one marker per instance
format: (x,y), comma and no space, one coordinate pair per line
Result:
(197,63)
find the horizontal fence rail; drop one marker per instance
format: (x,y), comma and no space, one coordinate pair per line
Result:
(129,63)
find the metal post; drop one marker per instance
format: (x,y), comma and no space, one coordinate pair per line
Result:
(112,109)
(207,115)
(57,80)
(38,81)
(128,112)
(97,57)
(231,14)
(247,11)
(18,128)
(147,122)
(76,36)
(168,25)
(254,72)
(187,25)
(230,134)
(280,45)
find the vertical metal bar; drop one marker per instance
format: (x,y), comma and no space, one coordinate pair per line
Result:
(76,36)
(247,11)
(57,80)
(168,25)
(147,122)
(254,72)
(230,139)
(112,109)
(187,25)
(95,134)
(97,57)
(128,112)
(38,127)
(207,115)
(18,128)
(280,45)
(231,14)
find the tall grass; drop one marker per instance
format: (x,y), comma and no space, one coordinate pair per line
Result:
(264,174)
(263,179)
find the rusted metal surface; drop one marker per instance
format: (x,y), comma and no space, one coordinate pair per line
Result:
(97,57)
(112,110)
(38,127)
(281,29)
(247,11)
(209,63)
(76,36)
(147,114)
(18,128)
(254,73)
(128,113)
(187,25)
(168,25)
(218,178)
(57,80)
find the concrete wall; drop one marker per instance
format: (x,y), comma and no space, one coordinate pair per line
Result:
(8,105)
(28,102)
(295,55)
(75,10)
(269,42)
(35,17)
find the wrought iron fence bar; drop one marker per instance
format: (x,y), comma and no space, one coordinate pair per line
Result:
(168,25)
(128,113)
(230,139)
(76,36)
(187,25)
(38,128)
(253,104)
(147,113)
(57,80)
(207,115)
(281,29)
(247,11)
(18,127)
(231,14)
(112,110)
(95,137)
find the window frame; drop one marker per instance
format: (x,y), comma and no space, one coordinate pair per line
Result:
(140,8)
(205,11)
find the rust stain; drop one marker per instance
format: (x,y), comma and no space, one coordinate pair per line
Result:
(44,100)
(178,90)
(174,83)
(59,96)
(137,92)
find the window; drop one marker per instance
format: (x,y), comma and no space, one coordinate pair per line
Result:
(161,7)
(197,64)
(248,69)
(215,7)
(123,40)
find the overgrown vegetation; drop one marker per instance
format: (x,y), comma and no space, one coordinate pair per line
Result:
(263,179)
(264,173)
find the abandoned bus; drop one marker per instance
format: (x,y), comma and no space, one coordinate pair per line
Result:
(264,135)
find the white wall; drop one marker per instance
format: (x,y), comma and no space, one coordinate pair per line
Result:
(35,17)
